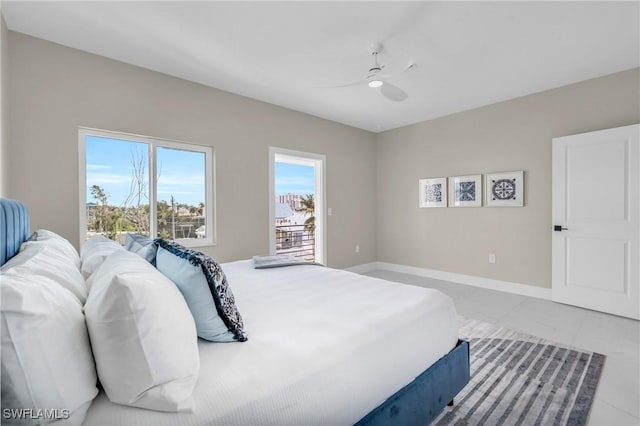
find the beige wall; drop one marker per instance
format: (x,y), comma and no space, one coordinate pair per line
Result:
(55,89)
(512,135)
(4,107)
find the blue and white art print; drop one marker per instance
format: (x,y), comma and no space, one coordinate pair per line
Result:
(505,189)
(433,192)
(465,191)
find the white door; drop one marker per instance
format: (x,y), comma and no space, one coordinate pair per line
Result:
(596,217)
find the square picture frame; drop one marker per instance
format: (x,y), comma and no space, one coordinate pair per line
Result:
(505,189)
(433,192)
(465,191)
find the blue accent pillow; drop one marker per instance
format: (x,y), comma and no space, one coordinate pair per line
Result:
(141,245)
(204,286)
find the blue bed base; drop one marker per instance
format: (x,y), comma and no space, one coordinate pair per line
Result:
(423,399)
(14,227)
(417,404)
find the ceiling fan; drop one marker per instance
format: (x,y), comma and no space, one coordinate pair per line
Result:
(378,80)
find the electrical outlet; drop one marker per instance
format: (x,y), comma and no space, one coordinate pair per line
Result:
(357,249)
(492,258)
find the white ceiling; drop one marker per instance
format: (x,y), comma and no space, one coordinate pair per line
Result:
(468,54)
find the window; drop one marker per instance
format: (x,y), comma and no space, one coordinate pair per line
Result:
(118,195)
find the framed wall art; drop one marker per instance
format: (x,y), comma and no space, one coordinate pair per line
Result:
(465,191)
(433,192)
(505,189)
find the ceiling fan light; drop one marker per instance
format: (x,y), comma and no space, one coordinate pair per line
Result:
(375,83)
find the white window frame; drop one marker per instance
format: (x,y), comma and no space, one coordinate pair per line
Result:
(152,143)
(318,162)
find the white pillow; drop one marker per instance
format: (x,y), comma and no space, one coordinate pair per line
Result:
(94,251)
(55,240)
(46,356)
(143,335)
(46,259)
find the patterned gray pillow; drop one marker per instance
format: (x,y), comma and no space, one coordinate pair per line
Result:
(141,245)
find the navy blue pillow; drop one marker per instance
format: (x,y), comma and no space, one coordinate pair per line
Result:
(204,286)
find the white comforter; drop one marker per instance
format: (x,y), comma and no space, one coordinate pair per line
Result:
(325,347)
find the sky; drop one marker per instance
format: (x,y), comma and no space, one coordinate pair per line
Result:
(181,173)
(109,165)
(294,179)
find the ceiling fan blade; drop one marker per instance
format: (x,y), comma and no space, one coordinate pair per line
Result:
(392,92)
(395,70)
(412,65)
(355,83)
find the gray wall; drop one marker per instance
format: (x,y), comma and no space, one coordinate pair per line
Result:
(4,107)
(512,135)
(55,89)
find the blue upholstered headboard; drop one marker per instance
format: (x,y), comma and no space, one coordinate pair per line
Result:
(14,227)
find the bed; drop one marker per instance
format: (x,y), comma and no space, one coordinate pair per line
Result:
(325,347)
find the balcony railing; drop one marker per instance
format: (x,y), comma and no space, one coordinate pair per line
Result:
(295,240)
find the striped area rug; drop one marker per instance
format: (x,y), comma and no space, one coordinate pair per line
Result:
(517,379)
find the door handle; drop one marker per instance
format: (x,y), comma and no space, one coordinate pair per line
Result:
(559,228)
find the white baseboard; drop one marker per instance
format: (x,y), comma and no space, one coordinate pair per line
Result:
(488,283)
(361,269)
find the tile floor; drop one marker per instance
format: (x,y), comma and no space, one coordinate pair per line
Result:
(617,399)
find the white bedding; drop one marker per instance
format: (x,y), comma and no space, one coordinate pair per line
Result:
(325,347)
